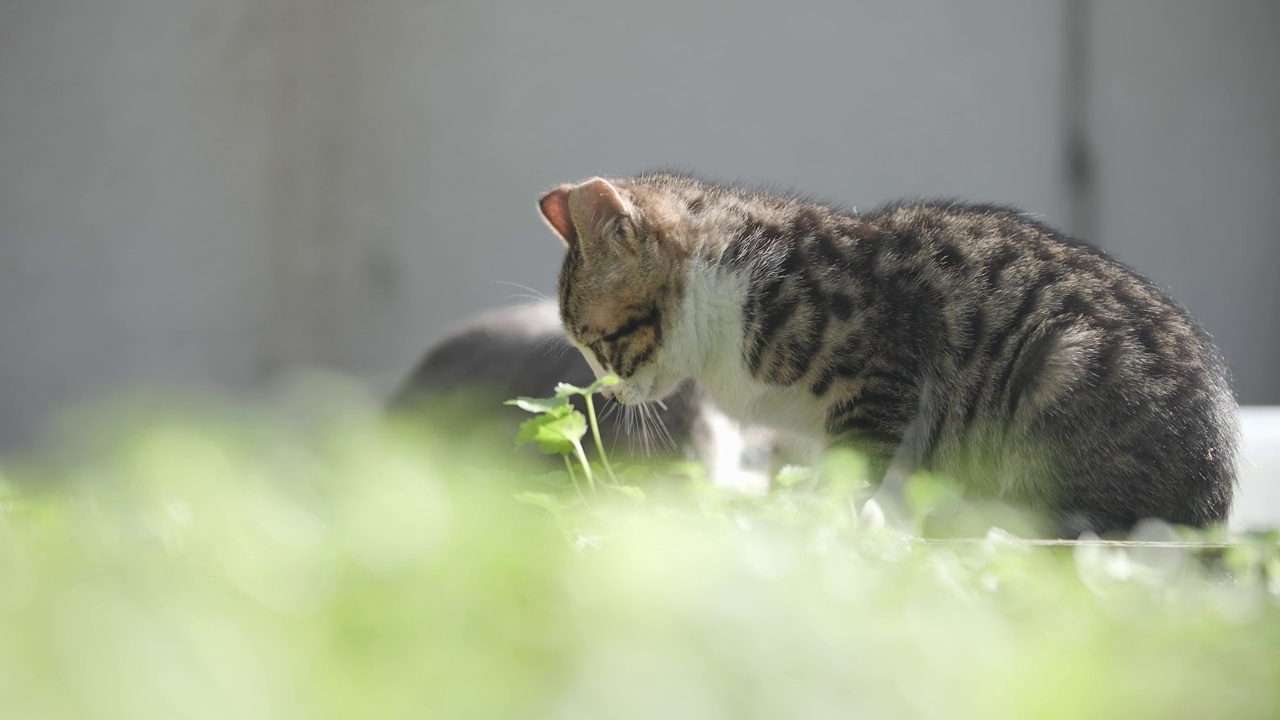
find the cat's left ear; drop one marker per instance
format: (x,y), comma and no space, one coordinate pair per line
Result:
(601,212)
(555,211)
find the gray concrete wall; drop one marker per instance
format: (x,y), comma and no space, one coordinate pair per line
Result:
(212,192)
(1186,118)
(136,210)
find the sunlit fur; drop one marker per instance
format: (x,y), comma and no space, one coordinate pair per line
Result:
(966,339)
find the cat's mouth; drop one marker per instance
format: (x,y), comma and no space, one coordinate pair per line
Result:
(641,389)
(629,392)
(635,390)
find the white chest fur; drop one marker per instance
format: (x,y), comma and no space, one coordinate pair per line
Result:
(708,345)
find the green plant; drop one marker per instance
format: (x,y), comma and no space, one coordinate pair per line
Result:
(558,428)
(217,566)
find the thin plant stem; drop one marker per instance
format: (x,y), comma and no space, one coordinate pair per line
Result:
(574,477)
(586,467)
(595,433)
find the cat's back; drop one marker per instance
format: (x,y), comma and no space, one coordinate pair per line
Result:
(1055,341)
(996,263)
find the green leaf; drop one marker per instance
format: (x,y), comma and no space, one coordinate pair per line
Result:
(631,491)
(556,479)
(633,473)
(565,390)
(789,475)
(539,405)
(925,493)
(844,470)
(556,431)
(542,500)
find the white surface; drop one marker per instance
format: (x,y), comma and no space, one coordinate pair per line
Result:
(1257,504)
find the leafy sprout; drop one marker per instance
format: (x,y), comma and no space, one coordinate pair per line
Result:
(558,428)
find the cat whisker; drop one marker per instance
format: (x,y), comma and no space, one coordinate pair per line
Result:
(522,296)
(611,409)
(629,413)
(641,412)
(655,430)
(663,434)
(557,350)
(533,294)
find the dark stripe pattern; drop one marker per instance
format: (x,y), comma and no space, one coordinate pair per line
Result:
(1058,371)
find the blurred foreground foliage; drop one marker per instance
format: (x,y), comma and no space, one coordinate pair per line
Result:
(221,566)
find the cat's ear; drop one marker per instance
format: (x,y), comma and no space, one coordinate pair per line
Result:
(592,210)
(555,211)
(600,210)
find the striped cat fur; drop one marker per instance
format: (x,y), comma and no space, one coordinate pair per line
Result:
(968,340)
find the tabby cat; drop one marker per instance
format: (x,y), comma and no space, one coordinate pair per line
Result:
(968,340)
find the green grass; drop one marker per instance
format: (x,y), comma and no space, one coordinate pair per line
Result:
(214,566)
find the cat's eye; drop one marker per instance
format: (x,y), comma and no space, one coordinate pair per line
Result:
(597,349)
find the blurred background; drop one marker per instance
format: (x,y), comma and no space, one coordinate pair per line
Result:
(209,193)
